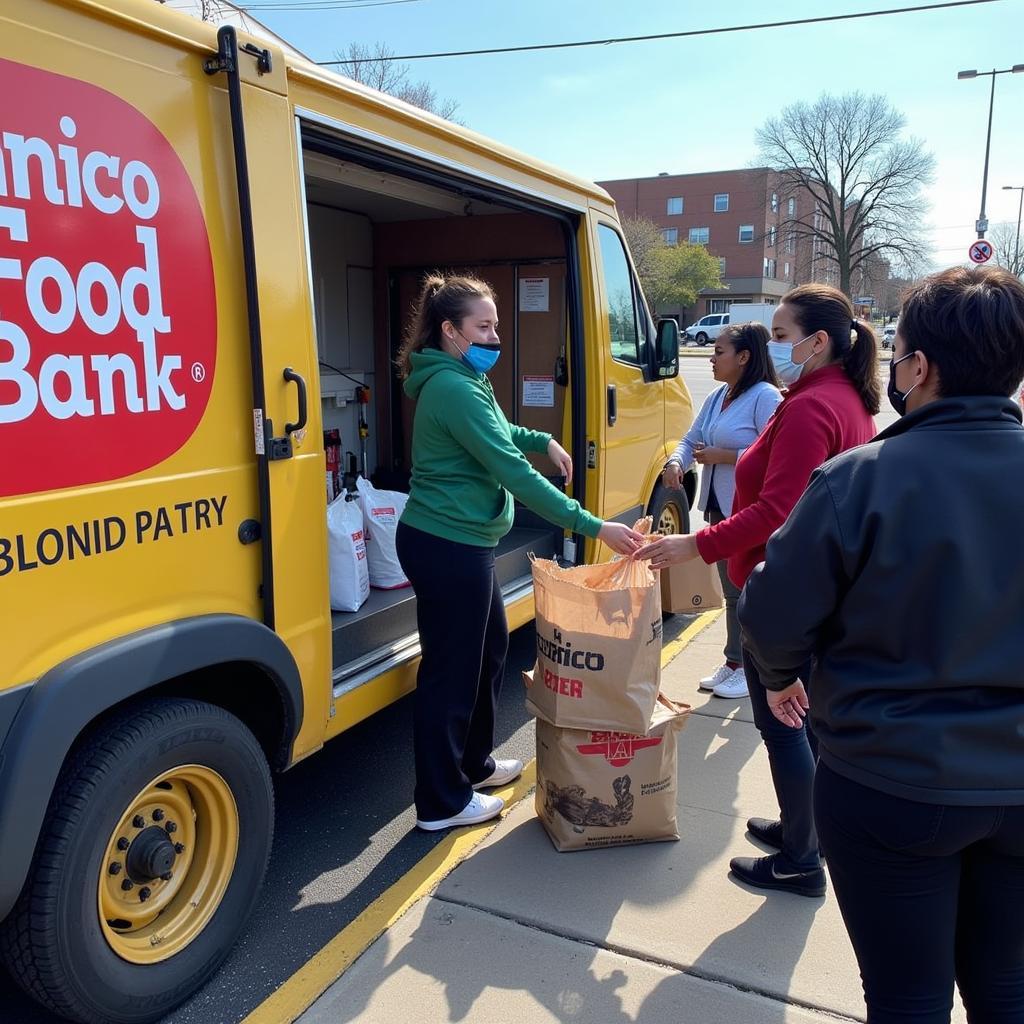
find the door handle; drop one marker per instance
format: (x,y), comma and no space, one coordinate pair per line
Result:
(613,406)
(295,378)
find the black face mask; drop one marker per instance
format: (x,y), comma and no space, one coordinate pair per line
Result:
(897,398)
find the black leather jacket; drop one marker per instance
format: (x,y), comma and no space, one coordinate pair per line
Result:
(902,570)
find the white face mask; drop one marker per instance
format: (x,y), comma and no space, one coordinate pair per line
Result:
(781,355)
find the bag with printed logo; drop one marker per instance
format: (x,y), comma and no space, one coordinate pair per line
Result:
(381,511)
(346,555)
(598,644)
(609,788)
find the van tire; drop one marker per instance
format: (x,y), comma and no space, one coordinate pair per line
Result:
(669,507)
(702,339)
(56,943)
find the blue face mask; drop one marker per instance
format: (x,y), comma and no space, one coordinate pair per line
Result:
(781,355)
(480,357)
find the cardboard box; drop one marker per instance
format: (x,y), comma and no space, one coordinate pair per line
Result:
(691,587)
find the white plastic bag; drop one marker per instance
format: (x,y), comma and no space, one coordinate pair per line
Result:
(381,511)
(346,555)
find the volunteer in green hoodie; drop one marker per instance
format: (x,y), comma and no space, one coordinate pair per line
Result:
(467,464)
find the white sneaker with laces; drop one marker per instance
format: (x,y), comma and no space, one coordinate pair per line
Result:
(734,687)
(480,808)
(718,676)
(504,771)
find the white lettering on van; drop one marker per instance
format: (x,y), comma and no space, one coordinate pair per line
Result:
(68,179)
(67,383)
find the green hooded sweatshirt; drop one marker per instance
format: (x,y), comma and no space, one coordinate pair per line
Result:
(467,458)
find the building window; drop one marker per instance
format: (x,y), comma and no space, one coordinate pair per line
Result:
(699,236)
(746,232)
(785,271)
(671,235)
(722,202)
(675,205)
(771,236)
(721,266)
(770,267)
(792,207)
(719,305)
(775,202)
(791,242)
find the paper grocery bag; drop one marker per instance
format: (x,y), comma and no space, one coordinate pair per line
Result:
(598,645)
(693,586)
(600,788)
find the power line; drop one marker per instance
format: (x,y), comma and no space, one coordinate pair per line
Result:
(667,35)
(322,5)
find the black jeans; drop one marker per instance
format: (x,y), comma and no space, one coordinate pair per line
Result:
(463,639)
(929,893)
(792,755)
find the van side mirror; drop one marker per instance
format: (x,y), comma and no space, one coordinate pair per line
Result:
(667,354)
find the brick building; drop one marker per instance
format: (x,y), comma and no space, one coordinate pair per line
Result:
(741,216)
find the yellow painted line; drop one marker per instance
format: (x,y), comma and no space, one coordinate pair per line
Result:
(669,651)
(311,980)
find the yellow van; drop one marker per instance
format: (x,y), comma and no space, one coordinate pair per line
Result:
(208,251)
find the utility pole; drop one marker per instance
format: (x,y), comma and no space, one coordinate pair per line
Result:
(982,223)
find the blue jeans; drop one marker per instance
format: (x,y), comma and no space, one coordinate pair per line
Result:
(929,893)
(792,755)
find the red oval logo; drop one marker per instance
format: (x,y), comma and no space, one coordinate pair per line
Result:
(108,315)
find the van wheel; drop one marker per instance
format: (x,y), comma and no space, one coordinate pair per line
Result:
(702,339)
(149,862)
(670,511)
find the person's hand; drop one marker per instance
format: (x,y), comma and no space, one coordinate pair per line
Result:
(620,538)
(672,476)
(790,705)
(708,456)
(562,460)
(670,550)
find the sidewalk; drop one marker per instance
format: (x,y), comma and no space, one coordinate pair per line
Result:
(656,934)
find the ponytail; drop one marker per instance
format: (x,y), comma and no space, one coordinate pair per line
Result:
(820,307)
(441,298)
(860,361)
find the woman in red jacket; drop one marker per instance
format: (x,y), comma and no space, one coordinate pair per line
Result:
(829,362)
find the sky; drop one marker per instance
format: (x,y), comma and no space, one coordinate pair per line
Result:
(689,105)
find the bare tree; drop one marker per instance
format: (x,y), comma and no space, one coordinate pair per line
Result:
(865,178)
(1009,251)
(375,68)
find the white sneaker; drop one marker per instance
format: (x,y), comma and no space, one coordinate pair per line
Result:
(504,771)
(480,808)
(734,687)
(718,676)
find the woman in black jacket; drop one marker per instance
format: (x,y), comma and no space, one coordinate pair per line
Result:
(900,571)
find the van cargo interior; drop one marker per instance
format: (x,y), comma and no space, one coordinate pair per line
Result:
(373,235)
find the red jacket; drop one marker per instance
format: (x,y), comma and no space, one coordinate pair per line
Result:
(821,416)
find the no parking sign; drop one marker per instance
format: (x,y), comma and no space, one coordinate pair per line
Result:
(980,251)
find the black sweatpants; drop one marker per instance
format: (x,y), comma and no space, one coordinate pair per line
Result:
(464,639)
(929,893)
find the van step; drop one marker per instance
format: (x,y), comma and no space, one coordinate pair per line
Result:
(390,615)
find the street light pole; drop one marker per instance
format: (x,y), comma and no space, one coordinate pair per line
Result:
(982,224)
(1017,267)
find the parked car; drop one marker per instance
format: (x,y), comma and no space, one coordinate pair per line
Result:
(707,328)
(888,335)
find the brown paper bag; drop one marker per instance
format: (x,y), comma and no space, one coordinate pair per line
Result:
(693,586)
(598,645)
(607,788)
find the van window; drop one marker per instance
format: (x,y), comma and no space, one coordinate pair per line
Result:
(620,303)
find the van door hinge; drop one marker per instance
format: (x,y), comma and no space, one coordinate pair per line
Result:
(591,455)
(223,61)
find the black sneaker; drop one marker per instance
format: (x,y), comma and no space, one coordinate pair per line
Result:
(766,831)
(773,873)
(769,832)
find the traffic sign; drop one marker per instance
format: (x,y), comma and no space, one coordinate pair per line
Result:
(980,251)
